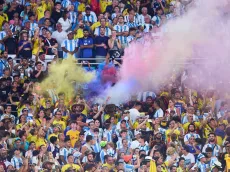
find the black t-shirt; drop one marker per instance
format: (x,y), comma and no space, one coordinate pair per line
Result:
(15,95)
(39,78)
(49,42)
(11,45)
(4,93)
(10,14)
(101,51)
(56,16)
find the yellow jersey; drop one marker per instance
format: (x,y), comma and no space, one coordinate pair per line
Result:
(81,7)
(62,123)
(39,141)
(177,132)
(103,5)
(40,10)
(3,18)
(74,136)
(74,167)
(79,34)
(35,46)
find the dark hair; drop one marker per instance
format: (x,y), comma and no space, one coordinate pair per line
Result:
(21,133)
(69,155)
(37,63)
(211,134)
(157,102)
(53,139)
(172,167)
(181,158)
(89,138)
(31,143)
(208,149)
(85,30)
(138,104)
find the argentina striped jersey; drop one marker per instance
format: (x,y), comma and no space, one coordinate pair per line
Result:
(123,28)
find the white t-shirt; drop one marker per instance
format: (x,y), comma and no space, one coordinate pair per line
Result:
(134,113)
(66,24)
(189,159)
(59,36)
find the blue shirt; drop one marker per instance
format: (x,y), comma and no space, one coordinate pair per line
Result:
(86,52)
(101,51)
(3,64)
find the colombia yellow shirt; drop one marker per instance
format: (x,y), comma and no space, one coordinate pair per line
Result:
(74,166)
(103,4)
(39,141)
(62,123)
(81,7)
(40,10)
(3,18)
(79,34)
(74,136)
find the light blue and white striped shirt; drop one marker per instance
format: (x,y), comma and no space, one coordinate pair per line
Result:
(88,133)
(91,18)
(64,152)
(108,135)
(216,149)
(123,28)
(136,18)
(70,45)
(107,31)
(16,162)
(66,3)
(96,146)
(202,167)
(2,36)
(144,148)
(73,17)
(132,24)
(33,26)
(102,156)
(159,113)
(187,136)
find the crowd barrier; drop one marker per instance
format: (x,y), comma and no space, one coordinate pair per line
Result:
(94,61)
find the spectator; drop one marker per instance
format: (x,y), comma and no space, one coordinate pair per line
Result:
(114,45)
(59,35)
(56,14)
(89,16)
(65,22)
(122,31)
(69,46)
(25,46)
(110,8)
(86,45)
(50,45)
(102,25)
(101,43)
(27,10)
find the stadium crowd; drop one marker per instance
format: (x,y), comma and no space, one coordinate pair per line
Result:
(175,129)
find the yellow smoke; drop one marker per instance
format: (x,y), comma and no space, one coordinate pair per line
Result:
(62,77)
